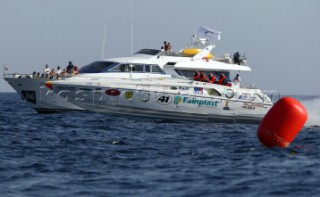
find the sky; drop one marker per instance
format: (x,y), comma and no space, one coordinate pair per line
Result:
(279,37)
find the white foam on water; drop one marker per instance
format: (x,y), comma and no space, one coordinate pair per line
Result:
(313,108)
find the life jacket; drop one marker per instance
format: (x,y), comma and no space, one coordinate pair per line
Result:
(212,79)
(196,76)
(222,80)
(203,77)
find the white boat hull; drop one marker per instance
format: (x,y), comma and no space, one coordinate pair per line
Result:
(40,97)
(166,99)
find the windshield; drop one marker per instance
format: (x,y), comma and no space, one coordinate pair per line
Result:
(96,67)
(148,51)
(103,67)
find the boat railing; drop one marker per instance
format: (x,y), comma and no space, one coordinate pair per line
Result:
(31,76)
(17,75)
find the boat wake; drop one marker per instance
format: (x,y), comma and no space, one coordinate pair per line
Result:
(313,108)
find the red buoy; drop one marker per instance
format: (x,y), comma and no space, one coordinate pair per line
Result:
(282,123)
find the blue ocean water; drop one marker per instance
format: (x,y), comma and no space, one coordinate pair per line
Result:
(89,154)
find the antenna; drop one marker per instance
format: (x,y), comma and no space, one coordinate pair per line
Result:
(105,30)
(131,37)
(131,28)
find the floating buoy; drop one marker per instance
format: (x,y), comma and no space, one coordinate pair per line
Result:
(282,123)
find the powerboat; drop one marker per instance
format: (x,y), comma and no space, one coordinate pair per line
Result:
(165,98)
(146,63)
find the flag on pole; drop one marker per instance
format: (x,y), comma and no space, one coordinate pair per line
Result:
(206,31)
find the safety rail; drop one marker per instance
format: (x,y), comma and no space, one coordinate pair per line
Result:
(16,75)
(31,76)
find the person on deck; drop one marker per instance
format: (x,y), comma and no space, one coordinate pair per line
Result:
(203,77)
(52,74)
(196,76)
(76,70)
(212,78)
(236,80)
(165,46)
(70,68)
(46,71)
(58,72)
(222,79)
(169,48)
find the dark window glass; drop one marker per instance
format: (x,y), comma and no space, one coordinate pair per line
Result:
(96,67)
(148,68)
(137,68)
(148,51)
(156,69)
(120,68)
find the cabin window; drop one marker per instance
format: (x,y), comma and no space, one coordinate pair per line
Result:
(148,68)
(138,68)
(156,69)
(120,68)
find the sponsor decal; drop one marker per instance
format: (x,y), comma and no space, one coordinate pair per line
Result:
(164,100)
(113,92)
(128,95)
(144,96)
(198,90)
(183,88)
(246,96)
(195,101)
(177,100)
(251,106)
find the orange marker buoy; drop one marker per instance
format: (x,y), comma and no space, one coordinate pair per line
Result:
(282,123)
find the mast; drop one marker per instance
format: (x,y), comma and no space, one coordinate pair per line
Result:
(131,37)
(131,28)
(105,30)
